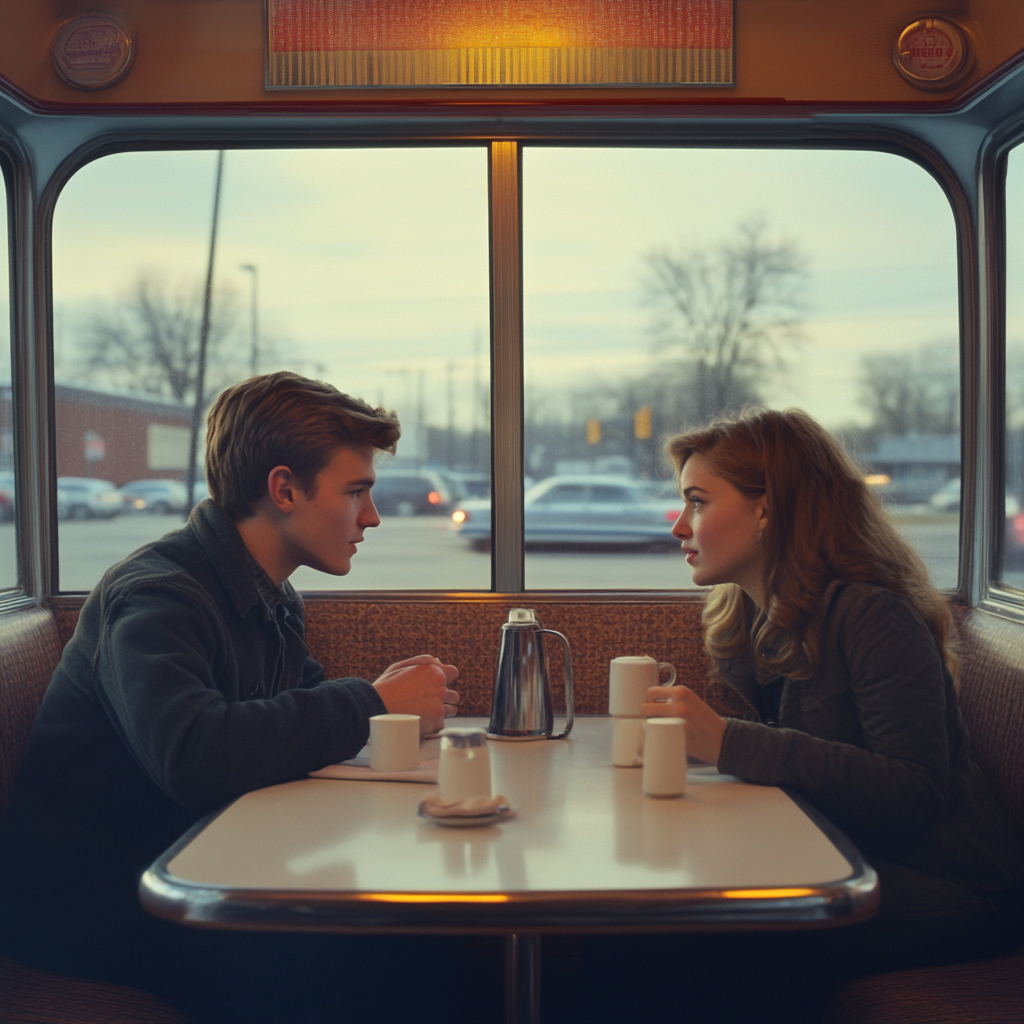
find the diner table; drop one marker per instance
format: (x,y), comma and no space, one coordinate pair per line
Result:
(585,852)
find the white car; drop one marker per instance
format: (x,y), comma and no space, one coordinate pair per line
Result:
(947,499)
(82,497)
(156,496)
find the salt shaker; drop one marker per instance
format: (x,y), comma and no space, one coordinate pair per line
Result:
(464,772)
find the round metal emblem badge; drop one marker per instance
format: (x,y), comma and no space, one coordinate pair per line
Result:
(93,52)
(931,53)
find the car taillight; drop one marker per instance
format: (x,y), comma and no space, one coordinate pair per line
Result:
(671,517)
(460,517)
(1018,529)
(434,498)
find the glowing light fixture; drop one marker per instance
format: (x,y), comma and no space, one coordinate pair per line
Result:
(331,43)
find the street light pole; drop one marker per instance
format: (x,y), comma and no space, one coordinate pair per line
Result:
(254,357)
(204,334)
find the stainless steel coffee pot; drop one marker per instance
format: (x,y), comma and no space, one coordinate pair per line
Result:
(521,708)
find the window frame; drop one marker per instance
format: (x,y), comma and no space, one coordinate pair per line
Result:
(951,147)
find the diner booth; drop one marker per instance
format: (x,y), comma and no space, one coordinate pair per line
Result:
(470,211)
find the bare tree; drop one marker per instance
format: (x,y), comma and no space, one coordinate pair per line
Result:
(147,342)
(725,314)
(916,391)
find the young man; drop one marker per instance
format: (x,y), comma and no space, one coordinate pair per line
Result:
(188,683)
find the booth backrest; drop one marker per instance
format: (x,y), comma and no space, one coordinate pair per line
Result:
(992,703)
(30,647)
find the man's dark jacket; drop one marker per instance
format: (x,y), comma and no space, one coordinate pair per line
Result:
(180,690)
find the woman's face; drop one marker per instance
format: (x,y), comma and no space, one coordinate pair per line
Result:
(720,528)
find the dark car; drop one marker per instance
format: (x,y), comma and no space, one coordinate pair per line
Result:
(411,492)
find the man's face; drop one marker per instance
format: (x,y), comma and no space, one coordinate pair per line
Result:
(322,531)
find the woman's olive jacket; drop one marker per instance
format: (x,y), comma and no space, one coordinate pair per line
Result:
(875,741)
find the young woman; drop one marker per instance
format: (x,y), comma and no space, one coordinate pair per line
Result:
(823,622)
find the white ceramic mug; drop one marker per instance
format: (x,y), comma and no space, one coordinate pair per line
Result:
(394,743)
(665,757)
(628,743)
(629,679)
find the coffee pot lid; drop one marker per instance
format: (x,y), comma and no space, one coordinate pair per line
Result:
(522,615)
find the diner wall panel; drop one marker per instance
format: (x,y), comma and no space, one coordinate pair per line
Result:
(205,52)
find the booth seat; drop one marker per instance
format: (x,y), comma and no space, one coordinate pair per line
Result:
(362,638)
(30,647)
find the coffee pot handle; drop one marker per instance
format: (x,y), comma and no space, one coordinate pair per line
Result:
(569,701)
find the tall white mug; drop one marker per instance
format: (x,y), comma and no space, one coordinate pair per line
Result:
(629,679)
(665,757)
(394,743)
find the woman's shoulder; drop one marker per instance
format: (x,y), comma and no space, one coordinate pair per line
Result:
(859,611)
(845,596)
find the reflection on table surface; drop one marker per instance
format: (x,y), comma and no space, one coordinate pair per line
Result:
(582,825)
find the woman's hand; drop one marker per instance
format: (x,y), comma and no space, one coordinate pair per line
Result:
(704,728)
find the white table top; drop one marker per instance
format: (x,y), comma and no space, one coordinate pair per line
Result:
(584,837)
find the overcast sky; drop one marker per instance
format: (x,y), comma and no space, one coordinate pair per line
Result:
(374,263)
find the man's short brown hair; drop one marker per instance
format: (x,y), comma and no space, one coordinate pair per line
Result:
(282,419)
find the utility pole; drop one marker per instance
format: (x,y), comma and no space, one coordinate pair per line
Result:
(254,357)
(423,455)
(476,400)
(451,414)
(204,333)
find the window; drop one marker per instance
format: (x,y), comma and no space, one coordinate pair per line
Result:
(1012,568)
(855,321)
(365,268)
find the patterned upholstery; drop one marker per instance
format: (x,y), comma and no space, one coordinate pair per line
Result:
(989,992)
(30,996)
(29,651)
(362,639)
(30,647)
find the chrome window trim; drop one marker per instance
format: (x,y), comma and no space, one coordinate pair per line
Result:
(957,147)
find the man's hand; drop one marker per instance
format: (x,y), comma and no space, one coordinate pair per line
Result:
(704,727)
(419,686)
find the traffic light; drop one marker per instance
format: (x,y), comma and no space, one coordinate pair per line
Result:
(593,431)
(642,426)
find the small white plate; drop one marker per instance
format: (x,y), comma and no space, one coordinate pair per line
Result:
(462,821)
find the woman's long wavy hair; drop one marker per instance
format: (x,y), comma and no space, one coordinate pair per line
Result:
(824,524)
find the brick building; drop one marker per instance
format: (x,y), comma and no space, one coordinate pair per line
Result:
(110,437)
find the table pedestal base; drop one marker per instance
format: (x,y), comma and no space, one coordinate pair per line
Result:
(522,979)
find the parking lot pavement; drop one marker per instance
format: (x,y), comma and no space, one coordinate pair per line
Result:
(423,553)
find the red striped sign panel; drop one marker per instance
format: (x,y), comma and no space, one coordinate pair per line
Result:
(331,43)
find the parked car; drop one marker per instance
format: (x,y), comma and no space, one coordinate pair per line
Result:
(465,485)
(411,492)
(947,499)
(156,496)
(82,497)
(580,511)
(6,496)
